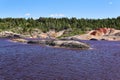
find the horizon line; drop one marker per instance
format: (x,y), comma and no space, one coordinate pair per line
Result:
(59,17)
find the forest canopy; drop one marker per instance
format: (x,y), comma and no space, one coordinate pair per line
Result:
(22,25)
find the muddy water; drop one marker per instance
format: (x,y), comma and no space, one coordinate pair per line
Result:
(33,62)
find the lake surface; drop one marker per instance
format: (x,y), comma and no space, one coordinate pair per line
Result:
(34,62)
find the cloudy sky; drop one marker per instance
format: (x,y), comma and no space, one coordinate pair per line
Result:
(60,8)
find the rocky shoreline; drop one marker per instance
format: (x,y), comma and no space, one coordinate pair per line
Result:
(61,43)
(98,34)
(50,38)
(49,42)
(71,44)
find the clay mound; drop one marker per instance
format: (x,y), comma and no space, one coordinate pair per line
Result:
(99,34)
(102,31)
(9,34)
(51,34)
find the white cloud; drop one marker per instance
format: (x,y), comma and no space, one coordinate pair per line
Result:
(27,14)
(110,3)
(57,15)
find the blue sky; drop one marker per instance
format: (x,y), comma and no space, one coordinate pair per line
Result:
(60,8)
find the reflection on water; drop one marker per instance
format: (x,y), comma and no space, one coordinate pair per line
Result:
(33,62)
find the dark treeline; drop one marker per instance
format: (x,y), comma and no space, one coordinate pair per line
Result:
(45,24)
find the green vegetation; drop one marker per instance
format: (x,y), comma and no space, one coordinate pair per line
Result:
(77,26)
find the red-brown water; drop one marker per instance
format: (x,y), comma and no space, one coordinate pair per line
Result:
(34,62)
